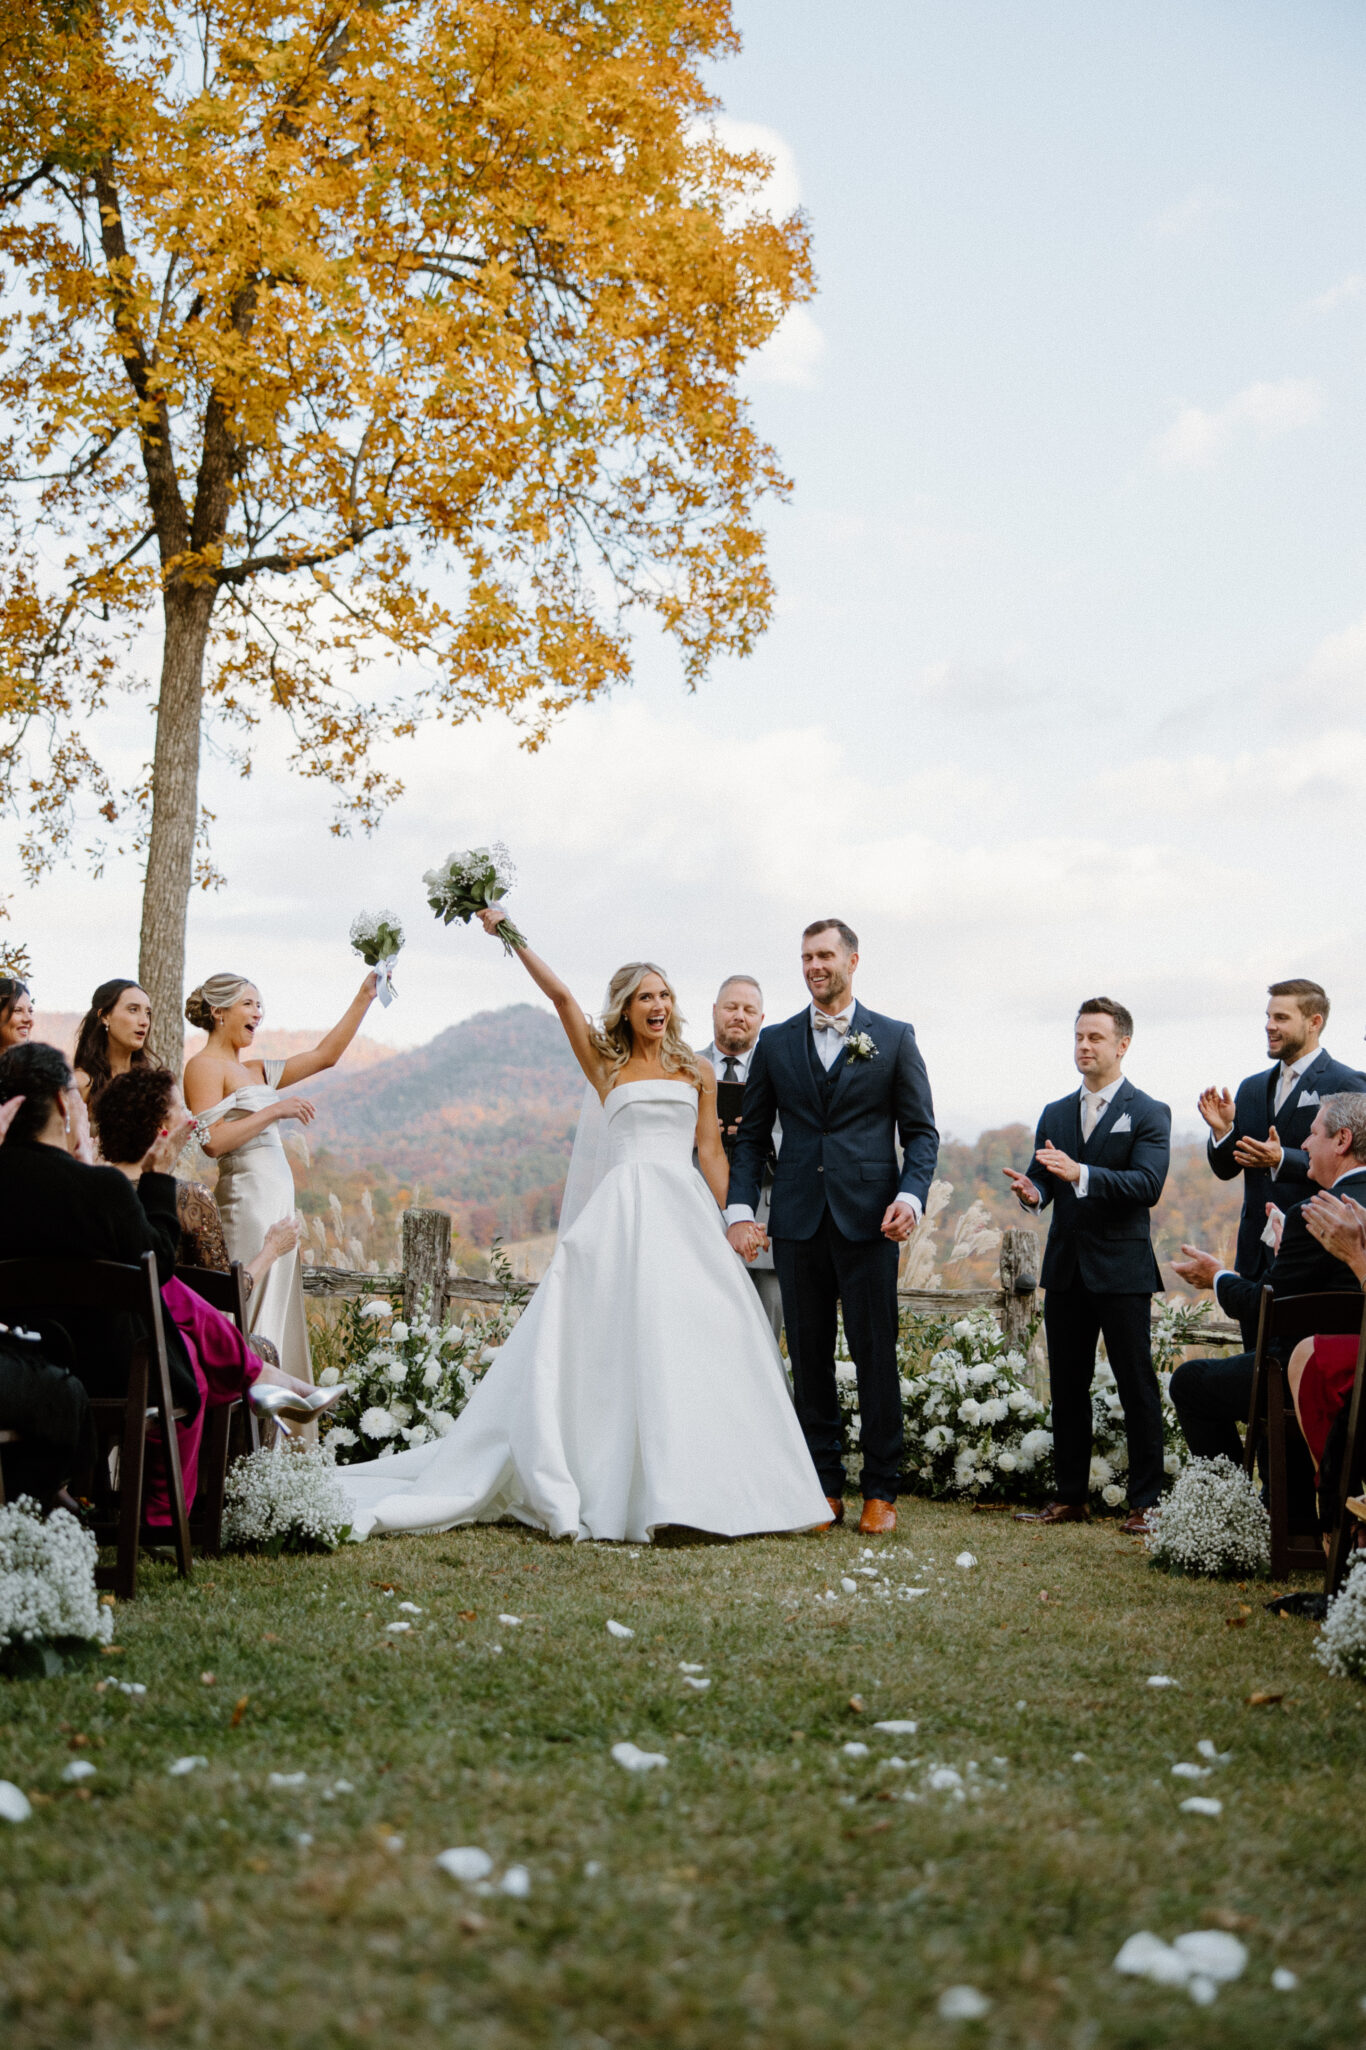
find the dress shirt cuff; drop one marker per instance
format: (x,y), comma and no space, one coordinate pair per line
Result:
(1279,1165)
(1217,1143)
(906,1196)
(1083,1179)
(738,1213)
(1224,1274)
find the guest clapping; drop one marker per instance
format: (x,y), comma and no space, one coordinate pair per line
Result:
(16,1012)
(113,1035)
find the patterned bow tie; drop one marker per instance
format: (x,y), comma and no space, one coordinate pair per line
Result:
(822,1023)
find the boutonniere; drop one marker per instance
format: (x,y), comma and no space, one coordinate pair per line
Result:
(859,1046)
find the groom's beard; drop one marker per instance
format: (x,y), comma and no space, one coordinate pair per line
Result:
(834,996)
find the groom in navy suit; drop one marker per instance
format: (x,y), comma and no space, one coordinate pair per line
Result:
(1100,1158)
(845,1082)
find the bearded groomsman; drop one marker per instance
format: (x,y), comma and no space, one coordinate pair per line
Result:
(1100,1158)
(1260,1134)
(737,1017)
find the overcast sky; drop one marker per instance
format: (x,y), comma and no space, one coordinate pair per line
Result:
(1064,694)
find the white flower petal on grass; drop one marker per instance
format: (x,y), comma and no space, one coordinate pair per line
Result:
(286,1779)
(1202,1989)
(466,1862)
(512,1622)
(633,1759)
(1213,1953)
(1206,1749)
(944,1779)
(908,1594)
(178,1767)
(685,1667)
(398,1628)
(849,1586)
(412,1609)
(593,1869)
(898,1728)
(963,2004)
(1145,1956)
(1284,1981)
(15,1805)
(1162,1680)
(516,1882)
(966,1559)
(1201,1804)
(79,1769)
(1186,1771)
(615,1629)
(342,1787)
(1080,1758)
(701,1686)
(854,1749)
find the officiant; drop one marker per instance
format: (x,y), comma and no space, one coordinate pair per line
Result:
(736,1017)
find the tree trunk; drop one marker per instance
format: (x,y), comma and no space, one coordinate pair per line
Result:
(175,815)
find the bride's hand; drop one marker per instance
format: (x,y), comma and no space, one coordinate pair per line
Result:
(369,989)
(491,917)
(296,1107)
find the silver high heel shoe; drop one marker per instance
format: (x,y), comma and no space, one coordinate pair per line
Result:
(269,1400)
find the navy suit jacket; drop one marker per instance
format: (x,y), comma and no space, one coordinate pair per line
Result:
(1302,1266)
(1253,1119)
(1104,1238)
(839,1151)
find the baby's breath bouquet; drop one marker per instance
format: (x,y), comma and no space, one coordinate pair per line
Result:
(471,882)
(1342,1646)
(1212,1523)
(48,1603)
(377,937)
(285,1499)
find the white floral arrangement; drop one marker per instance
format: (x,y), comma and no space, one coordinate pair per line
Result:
(1212,1523)
(377,936)
(407,1381)
(1341,1645)
(473,881)
(47,1580)
(285,1499)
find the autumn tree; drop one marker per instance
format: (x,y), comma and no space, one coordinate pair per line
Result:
(383,355)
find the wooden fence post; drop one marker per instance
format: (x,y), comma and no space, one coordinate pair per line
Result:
(1019,1280)
(426,1257)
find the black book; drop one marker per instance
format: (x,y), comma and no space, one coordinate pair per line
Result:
(730,1097)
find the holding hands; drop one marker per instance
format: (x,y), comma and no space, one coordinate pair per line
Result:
(747,1238)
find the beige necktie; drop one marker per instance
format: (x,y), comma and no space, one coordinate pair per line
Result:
(1283,1088)
(1092,1110)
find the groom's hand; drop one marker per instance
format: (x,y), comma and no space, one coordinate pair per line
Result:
(899,1222)
(747,1239)
(1056,1162)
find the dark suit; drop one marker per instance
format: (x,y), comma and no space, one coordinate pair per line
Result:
(1253,1117)
(1099,1274)
(835,1176)
(1212,1397)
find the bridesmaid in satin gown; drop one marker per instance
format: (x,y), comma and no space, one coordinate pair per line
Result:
(241,1104)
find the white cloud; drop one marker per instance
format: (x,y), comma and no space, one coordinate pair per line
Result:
(1197,437)
(1340,294)
(792,354)
(1187,216)
(781,191)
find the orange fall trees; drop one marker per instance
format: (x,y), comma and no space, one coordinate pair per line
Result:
(354,342)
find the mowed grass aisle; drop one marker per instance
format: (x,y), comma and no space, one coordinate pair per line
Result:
(764,1888)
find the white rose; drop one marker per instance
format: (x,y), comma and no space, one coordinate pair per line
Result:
(1171,1462)
(845,1370)
(1019,1399)
(442,1421)
(399,1331)
(329,1377)
(418,1435)
(376,1307)
(970,1411)
(402,1412)
(979,1376)
(431,1375)
(397,1373)
(1112,1496)
(377,1423)
(1007,1462)
(963,1328)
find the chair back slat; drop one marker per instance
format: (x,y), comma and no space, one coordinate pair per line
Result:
(1332,1313)
(52,1285)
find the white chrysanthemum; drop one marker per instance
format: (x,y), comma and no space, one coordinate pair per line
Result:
(441,1421)
(377,1423)
(963,1328)
(980,1375)
(1342,1644)
(401,1412)
(1212,1522)
(938,1438)
(995,1411)
(1034,1446)
(1101,1474)
(339,1435)
(969,1410)
(376,1308)
(1020,1399)
(47,1578)
(287,1497)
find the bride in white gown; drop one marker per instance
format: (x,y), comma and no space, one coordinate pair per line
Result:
(641,1386)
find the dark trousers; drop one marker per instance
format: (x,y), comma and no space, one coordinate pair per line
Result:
(1073,1320)
(818,1276)
(50,1410)
(1212,1399)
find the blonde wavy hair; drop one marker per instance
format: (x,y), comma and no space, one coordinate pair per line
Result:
(614,1040)
(218,993)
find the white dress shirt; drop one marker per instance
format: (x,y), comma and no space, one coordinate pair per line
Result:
(1289,1079)
(741,1060)
(1100,1101)
(828,1045)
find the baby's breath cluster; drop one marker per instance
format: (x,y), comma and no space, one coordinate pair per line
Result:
(47,1579)
(286,1500)
(1342,1643)
(1213,1522)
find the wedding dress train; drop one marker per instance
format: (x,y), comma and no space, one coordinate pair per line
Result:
(641,1386)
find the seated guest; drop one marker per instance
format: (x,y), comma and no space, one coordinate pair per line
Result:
(112,1039)
(16,1012)
(1322,1370)
(1212,1397)
(129,1113)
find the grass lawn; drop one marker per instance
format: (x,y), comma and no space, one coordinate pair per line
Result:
(764,1889)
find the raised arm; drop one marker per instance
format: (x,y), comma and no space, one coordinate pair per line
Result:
(204,1089)
(711,1154)
(570,1013)
(330,1049)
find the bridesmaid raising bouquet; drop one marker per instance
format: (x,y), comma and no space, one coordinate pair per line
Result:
(240,1104)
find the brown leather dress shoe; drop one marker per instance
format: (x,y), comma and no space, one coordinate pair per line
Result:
(1056,1512)
(1136,1524)
(877,1518)
(836,1512)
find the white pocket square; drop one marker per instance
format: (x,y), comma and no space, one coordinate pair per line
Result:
(1308,1096)
(1124,1124)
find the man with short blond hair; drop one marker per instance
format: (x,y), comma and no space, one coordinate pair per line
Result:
(1260,1134)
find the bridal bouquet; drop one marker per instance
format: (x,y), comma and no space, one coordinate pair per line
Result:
(378,938)
(471,882)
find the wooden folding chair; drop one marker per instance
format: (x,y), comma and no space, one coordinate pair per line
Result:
(1281,1324)
(45,1287)
(6,1438)
(1348,1515)
(228,1427)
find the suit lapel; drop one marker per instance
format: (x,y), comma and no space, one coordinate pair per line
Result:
(1292,1102)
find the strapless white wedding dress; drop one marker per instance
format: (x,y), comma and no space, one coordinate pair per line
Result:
(641,1386)
(255,1189)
